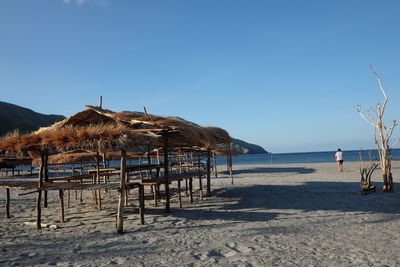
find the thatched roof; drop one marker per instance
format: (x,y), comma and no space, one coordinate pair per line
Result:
(98,129)
(74,156)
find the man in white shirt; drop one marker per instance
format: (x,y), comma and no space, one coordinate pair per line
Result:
(339,159)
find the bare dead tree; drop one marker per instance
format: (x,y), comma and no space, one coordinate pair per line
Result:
(366,173)
(384,135)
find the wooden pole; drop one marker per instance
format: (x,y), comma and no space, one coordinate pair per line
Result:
(141,203)
(200,176)
(179,194)
(166,171)
(208,172)
(121,202)
(8,204)
(46,177)
(149,160)
(230,163)
(215,165)
(81,193)
(61,195)
(39,197)
(101,102)
(97,178)
(190,190)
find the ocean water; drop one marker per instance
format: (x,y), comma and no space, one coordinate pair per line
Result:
(306,157)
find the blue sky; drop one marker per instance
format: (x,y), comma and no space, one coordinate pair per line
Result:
(287,75)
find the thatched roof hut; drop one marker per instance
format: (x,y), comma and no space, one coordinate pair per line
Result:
(101,130)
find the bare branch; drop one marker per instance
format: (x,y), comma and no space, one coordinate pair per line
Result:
(395,142)
(389,132)
(378,78)
(370,121)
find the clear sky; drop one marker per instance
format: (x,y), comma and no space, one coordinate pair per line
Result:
(286,75)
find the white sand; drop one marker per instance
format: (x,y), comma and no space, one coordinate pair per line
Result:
(274,215)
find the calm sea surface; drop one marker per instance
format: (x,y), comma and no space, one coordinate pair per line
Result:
(309,157)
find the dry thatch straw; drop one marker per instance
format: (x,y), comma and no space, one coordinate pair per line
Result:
(182,132)
(70,157)
(96,129)
(98,137)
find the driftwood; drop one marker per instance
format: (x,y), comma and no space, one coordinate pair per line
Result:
(366,173)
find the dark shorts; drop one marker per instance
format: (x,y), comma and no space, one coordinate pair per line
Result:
(340,161)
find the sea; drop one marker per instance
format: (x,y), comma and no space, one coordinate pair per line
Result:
(305,157)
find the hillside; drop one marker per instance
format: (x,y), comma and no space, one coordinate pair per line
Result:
(14,117)
(242,147)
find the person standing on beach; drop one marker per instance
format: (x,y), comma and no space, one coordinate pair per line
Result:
(339,159)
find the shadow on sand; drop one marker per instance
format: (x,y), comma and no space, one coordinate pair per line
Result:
(295,170)
(255,202)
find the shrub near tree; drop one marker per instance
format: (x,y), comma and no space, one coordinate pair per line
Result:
(382,136)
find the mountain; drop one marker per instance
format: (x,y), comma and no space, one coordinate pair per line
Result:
(14,117)
(242,147)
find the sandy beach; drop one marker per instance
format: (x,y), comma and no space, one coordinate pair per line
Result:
(274,215)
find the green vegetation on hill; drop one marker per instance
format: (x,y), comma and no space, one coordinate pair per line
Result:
(13,117)
(242,147)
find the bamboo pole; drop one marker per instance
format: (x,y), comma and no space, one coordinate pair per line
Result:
(208,172)
(120,213)
(8,204)
(166,171)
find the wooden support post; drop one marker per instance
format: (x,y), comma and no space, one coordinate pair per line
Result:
(190,190)
(155,193)
(149,160)
(81,194)
(46,177)
(99,206)
(8,204)
(127,192)
(98,201)
(39,197)
(215,165)
(179,194)
(121,202)
(166,171)
(61,195)
(200,177)
(68,198)
(208,172)
(186,187)
(230,163)
(141,204)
